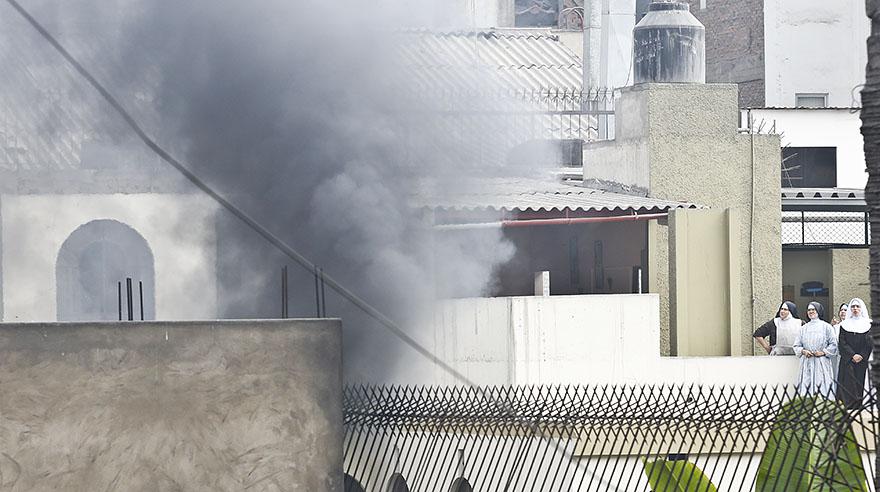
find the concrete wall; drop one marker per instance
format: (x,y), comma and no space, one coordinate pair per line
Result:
(178,228)
(839,128)
(171,406)
(814,46)
(734,45)
(658,277)
(680,142)
(849,275)
(590,339)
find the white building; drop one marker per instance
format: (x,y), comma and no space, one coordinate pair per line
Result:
(83,209)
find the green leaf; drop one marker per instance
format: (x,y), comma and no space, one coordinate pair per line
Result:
(676,476)
(811,448)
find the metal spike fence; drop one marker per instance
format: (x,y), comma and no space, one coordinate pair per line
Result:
(605,438)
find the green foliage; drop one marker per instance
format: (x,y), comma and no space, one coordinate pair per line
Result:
(811,448)
(676,476)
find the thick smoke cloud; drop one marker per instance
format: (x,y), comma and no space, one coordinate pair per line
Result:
(299,112)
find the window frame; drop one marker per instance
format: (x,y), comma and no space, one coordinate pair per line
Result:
(799,95)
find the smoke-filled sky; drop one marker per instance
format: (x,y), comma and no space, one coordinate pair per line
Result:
(298,112)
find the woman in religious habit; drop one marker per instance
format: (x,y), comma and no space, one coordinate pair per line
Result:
(835,322)
(841,314)
(815,345)
(855,348)
(782,330)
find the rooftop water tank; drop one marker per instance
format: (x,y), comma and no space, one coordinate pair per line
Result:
(669,45)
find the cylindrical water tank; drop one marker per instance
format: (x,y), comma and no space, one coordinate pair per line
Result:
(669,45)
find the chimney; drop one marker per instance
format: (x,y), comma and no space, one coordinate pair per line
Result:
(669,45)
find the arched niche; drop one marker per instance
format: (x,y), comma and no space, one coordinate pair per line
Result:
(91,261)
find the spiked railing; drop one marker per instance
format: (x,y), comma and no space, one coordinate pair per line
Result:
(605,438)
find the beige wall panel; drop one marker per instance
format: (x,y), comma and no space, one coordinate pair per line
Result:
(849,271)
(701,275)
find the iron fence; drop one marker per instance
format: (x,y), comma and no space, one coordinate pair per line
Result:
(578,438)
(803,228)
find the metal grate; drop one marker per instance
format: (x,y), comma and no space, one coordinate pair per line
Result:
(804,228)
(604,438)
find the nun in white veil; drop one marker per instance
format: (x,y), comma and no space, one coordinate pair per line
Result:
(854,343)
(815,346)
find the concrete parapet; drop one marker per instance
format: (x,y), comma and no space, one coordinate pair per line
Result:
(214,405)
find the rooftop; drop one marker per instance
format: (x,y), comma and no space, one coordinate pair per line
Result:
(534,195)
(516,59)
(843,199)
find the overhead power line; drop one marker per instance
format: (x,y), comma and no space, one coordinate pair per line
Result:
(226,204)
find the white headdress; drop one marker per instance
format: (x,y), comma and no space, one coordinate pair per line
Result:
(787,330)
(853,324)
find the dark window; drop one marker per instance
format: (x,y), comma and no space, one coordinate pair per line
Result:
(811,100)
(537,13)
(809,167)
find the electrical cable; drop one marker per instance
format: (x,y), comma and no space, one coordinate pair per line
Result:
(241,215)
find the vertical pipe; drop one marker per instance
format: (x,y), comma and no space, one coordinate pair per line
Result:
(284,305)
(141,295)
(803,228)
(129,299)
(867,232)
(323,299)
(317,295)
(119,298)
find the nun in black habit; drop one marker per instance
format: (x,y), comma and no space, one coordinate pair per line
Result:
(854,343)
(781,331)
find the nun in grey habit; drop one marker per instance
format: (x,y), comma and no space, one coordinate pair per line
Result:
(815,347)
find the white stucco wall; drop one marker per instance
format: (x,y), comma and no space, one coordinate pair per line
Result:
(839,128)
(814,46)
(179,229)
(587,339)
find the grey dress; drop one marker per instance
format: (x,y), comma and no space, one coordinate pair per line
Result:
(816,375)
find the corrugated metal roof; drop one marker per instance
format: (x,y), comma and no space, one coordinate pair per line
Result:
(823,198)
(824,193)
(516,59)
(532,195)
